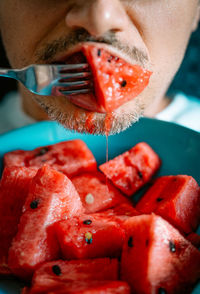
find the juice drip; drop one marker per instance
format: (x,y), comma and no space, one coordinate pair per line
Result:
(106,162)
(106,148)
(89,124)
(77,116)
(108,122)
(108,125)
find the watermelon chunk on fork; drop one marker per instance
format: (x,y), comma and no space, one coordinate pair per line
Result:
(115,81)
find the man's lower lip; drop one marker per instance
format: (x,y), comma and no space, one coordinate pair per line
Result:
(85,101)
(72,58)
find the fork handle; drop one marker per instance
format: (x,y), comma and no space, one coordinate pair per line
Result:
(6,72)
(3,71)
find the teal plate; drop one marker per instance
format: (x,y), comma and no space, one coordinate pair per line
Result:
(178,147)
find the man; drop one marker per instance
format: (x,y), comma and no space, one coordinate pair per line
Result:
(42,31)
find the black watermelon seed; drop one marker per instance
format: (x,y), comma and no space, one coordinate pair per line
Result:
(99,52)
(172,246)
(56,270)
(147,243)
(110,58)
(123,83)
(34,204)
(162,291)
(140,175)
(159,199)
(42,151)
(87,222)
(130,242)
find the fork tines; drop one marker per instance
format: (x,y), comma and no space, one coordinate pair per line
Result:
(70,67)
(75,92)
(73,83)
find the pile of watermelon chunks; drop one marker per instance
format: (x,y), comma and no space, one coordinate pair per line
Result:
(68,227)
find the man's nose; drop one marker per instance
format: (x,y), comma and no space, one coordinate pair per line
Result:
(97,16)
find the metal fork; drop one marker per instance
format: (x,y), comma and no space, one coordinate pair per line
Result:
(69,79)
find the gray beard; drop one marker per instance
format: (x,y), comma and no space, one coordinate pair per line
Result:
(120,119)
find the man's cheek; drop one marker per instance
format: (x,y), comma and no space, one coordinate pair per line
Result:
(19,39)
(18,47)
(16,55)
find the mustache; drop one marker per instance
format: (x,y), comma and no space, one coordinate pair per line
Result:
(50,50)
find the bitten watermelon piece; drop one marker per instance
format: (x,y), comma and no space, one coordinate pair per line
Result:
(84,287)
(70,157)
(51,197)
(156,258)
(89,236)
(14,188)
(132,169)
(176,199)
(115,81)
(96,192)
(74,270)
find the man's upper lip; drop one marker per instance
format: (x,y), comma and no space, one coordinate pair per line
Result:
(62,57)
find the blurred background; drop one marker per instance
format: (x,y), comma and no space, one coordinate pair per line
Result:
(187,79)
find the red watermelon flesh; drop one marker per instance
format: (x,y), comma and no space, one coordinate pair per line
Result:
(84,287)
(175,198)
(156,258)
(95,287)
(132,169)
(70,157)
(74,270)
(194,239)
(115,81)
(51,197)
(121,212)
(96,192)
(89,236)
(14,188)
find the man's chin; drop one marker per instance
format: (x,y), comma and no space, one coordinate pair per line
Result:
(76,118)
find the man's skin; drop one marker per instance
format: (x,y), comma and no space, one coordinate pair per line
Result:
(159,29)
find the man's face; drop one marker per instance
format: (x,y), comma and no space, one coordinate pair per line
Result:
(36,31)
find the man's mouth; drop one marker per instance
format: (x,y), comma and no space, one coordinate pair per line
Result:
(113,80)
(87,100)
(74,58)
